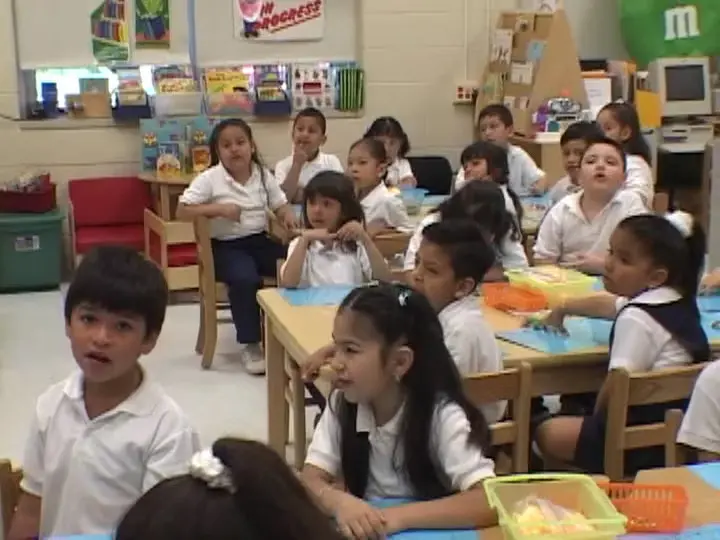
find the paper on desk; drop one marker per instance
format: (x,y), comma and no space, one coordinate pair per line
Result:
(583,334)
(709,472)
(315,296)
(709,303)
(468,534)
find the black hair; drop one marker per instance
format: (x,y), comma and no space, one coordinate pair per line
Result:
(268,502)
(466,244)
(337,186)
(484,203)
(626,116)
(375,148)
(581,131)
(683,258)
(255,158)
(498,110)
(387,126)
(400,316)
(609,142)
(316,114)
(120,280)
(496,158)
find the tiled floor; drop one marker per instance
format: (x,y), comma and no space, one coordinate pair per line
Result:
(35,353)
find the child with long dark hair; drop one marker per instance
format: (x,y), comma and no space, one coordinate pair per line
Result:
(398,424)
(238,489)
(651,277)
(390,132)
(334,247)
(237,192)
(621,123)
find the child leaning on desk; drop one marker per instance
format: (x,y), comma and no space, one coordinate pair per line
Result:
(398,424)
(651,275)
(237,192)
(334,247)
(107,434)
(576,231)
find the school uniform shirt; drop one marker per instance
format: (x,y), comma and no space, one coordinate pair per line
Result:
(254,198)
(641,343)
(566,232)
(381,206)
(322,162)
(472,345)
(639,179)
(89,472)
(397,170)
(524,173)
(463,464)
(511,256)
(332,265)
(701,425)
(562,187)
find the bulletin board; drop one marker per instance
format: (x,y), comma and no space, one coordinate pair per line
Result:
(218,44)
(57,34)
(533,58)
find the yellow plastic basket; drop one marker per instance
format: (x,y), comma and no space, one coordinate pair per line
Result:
(554,282)
(575,492)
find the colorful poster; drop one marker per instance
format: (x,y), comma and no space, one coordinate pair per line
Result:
(152,24)
(109,32)
(279,20)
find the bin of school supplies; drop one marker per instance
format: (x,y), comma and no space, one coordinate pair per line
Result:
(30,251)
(506,297)
(554,282)
(650,508)
(413,199)
(588,512)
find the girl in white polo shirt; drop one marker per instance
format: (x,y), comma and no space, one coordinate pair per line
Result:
(398,424)
(367,163)
(335,248)
(237,192)
(390,132)
(651,275)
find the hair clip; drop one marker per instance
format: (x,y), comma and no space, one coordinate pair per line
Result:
(208,468)
(403,296)
(682,221)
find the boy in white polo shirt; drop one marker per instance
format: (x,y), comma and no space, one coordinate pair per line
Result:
(495,124)
(576,231)
(701,426)
(295,171)
(105,435)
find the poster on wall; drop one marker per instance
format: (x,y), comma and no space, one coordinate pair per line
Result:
(109,32)
(152,24)
(279,20)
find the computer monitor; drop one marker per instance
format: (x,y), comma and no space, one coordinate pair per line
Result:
(683,85)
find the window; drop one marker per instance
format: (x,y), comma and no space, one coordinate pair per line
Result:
(68,80)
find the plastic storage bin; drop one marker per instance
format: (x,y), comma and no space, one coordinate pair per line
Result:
(506,297)
(554,282)
(413,199)
(575,492)
(650,508)
(30,251)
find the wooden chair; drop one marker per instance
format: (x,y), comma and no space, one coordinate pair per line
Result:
(675,453)
(514,386)
(9,493)
(391,244)
(632,389)
(213,295)
(171,245)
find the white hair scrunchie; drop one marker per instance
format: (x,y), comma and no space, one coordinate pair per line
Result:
(682,221)
(206,467)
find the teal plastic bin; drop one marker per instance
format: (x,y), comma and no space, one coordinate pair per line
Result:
(30,251)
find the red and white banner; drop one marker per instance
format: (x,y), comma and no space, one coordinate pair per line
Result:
(279,20)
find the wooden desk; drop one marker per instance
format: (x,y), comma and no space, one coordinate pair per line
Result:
(165,191)
(704,499)
(292,333)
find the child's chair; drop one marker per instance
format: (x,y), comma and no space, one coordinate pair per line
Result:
(650,388)
(213,295)
(433,173)
(9,493)
(515,387)
(392,245)
(171,245)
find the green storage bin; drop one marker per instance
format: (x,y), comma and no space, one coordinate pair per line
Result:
(30,251)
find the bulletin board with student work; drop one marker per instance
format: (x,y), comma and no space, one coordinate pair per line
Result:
(533,59)
(268,59)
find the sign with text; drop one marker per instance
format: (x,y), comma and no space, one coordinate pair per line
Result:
(280,20)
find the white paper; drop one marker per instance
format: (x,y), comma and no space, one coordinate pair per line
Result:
(502,46)
(599,93)
(521,72)
(509,102)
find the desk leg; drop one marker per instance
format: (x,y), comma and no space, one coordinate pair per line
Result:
(165,212)
(277,381)
(297,391)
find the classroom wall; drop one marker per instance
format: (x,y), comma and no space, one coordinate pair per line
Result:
(414,52)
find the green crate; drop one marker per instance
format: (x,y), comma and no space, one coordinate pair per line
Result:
(30,251)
